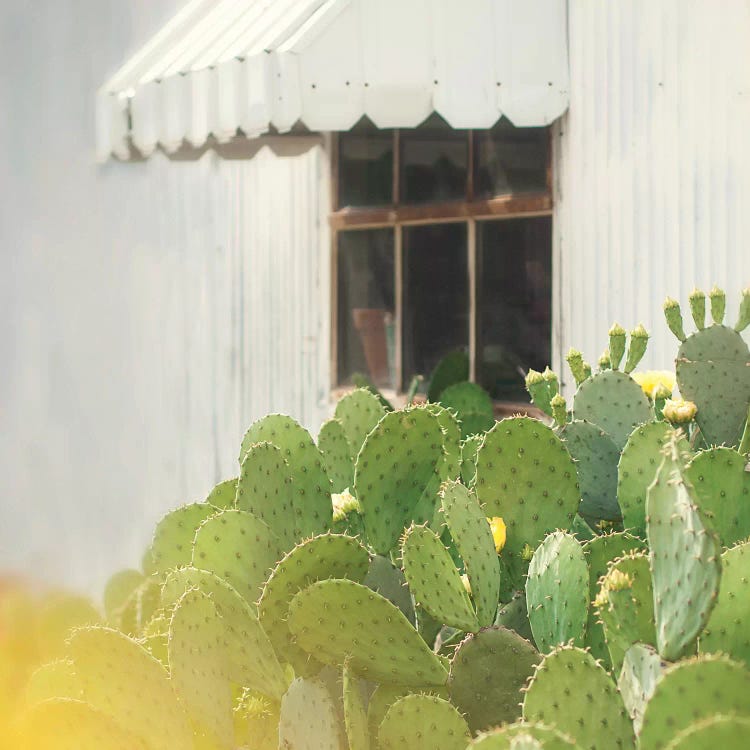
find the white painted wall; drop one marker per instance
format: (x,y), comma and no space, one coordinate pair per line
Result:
(653,168)
(150,311)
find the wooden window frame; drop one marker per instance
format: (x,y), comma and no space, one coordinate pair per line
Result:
(398,216)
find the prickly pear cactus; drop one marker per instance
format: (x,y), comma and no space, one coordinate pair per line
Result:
(308,719)
(384,578)
(337,454)
(469,449)
(224,494)
(641,669)
(452,368)
(472,405)
(451,430)
(119,589)
(355,713)
(172,545)
(726,732)
(504,738)
(358,412)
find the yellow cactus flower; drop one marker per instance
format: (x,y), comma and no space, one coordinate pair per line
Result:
(343,502)
(497,526)
(679,411)
(466,583)
(652,379)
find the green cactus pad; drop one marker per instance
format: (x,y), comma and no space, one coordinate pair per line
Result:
(355,713)
(308,719)
(625,606)
(386,579)
(423,722)
(434,580)
(526,476)
(488,671)
(57,679)
(642,668)
(172,546)
(337,454)
(637,469)
(239,548)
(319,558)
(685,558)
(224,494)
(119,589)
(725,732)
(312,488)
(727,629)
(599,552)
(723,488)
(469,449)
(358,412)
(713,371)
(253,662)
(557,592)
(265,489)
(692,690)
(65,724)
(399,462)
(473,539)
(614,402)
(198,668)
(581,530)
(108,664)
(385,695)
(139,608)
(504,738)
(573,693)
(451,440)
(472,405)
(514,616)
(334,619)
(452,368)
(596,458)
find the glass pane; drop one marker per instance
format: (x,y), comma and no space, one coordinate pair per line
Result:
(436,295)
(510,160)
(434,160)
(365,166)
(515,313)
(365,306)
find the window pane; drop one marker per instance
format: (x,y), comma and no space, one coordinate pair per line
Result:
(514,259)
(436,295)
(365,306)
(365,166)
(510,160)
(434,160)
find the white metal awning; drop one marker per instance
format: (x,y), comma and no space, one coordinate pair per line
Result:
(223,67)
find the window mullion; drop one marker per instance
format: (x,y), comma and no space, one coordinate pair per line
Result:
(471,247)
(398,246)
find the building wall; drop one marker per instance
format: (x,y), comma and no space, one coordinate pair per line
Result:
(150,311)
(653,166)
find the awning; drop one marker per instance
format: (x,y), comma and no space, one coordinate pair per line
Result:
(221,68)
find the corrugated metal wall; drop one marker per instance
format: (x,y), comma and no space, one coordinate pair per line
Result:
(653,165)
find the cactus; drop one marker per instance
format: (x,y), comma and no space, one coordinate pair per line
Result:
(726,732)
(722,486)
(451,440)
(570,691)
(224,494)
(355,713)
(138,609)
(358,412)
(119,589)
(542,388)
(422,722)
(580,370)
(617,340)
(308,719)
(336,619)
(641,669)
(684,556)
(452,368)
(256,722)
(56,679)
(469,450)
(638,343)
(507,737)
(559,407)
(691,690)
(488,671)
(526,477)
(472,405)
(384,578)
(713,371)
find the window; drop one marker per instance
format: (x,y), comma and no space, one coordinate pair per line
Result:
(442,241)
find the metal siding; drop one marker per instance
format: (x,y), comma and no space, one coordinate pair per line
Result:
(652,166)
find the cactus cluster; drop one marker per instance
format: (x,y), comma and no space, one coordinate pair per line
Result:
(431,579)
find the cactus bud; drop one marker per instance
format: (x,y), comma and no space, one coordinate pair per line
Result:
(698,308)
(499,532)
(550,377)
(679,411)
(577,366)
(343,503)
(673,314)
(466,583)
(660,395)
(617,338)
(542,387)
(604,361)
(743,319)
(527,553)
(718,304)
(615,580)
(638,343)
(559,410)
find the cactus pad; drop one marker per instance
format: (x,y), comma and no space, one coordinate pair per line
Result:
(434,580)
(451,440)
(311,486)
(692,690)
(725,732)
(469,449)
(557,592)
(685,558)
(488,671)
(118,590)
(224,494)
(386,579)
(334,619)
(337,454)
(473,539)
(514,616)
(239,548)
(423,722)
(358,412)
(108,664)
(308,718)
(506,738)
(570,691)
(355,714)
(452,368)
(57,679)
(614,402)
(526,476)
(400,460)
(723,488)
(641,669)
(172,546)
(472,405)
